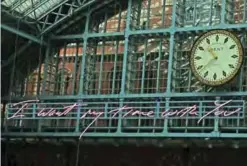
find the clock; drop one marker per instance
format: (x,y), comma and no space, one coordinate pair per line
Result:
(216,57)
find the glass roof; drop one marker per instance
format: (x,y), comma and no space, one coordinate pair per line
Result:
(31,8)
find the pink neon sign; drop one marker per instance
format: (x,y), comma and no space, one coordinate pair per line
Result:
(127,111)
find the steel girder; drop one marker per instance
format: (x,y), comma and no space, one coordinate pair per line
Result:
(42,22)
(22,34)
(52,16)
(18,52)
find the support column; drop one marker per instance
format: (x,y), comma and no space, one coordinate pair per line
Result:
(165,130)
(223,12)
(45,68)
(39,69)
(75,72)
(131,69)
(216,118)
(89,75)
(126,48)
(171,51)
(170,64)
(85,39)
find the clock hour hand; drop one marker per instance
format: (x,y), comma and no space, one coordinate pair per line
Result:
(210,50)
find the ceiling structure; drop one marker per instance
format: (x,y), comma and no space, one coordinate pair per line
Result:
(44,15)
(32,22)
(26,25)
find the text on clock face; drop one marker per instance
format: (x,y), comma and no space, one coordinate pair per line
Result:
(218,49)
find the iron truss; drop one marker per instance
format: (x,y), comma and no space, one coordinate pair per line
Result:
(41,18)
(44,15)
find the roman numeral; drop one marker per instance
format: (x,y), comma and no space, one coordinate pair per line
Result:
(231,66)
(205,74)
(234,56)
(224,73)
(199,67)
(226,40)
(198,57)
(201,48)
(217,38)
(215,76)
(208,41)
(232,47)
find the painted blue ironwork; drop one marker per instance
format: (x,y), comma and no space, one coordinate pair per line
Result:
(17,53)
(130,56)
(128,122)
(22,34)
(42,12)
(85,38)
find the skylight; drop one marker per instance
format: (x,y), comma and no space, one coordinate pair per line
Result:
(31,8)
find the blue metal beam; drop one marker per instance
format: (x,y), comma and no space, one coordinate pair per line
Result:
(206,28)
(18,52)
(153,31)
(67,37)
(51,9)
(126,47)
(23,34)
(90,35)
(114,34)
(16,18)
(136,135)
(126,96)
(85,39)
(188,29)
(171,48)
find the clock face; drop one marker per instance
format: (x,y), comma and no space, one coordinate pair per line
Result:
(216,57)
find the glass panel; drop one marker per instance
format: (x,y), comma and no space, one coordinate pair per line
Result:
(45,7)
(8,3)
(28,5)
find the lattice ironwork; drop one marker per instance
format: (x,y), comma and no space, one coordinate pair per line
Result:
(45,14)
(131,118)
(142,52)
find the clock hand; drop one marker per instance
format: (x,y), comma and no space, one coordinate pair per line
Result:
(210,61)
(210,50)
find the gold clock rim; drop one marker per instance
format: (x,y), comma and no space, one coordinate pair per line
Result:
(197,42)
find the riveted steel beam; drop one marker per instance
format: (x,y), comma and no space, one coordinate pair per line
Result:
(22,34)
(129,96)
(11,57)
(67,16)
(34,8)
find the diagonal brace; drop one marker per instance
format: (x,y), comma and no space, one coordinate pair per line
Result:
(12,57)
(23,34)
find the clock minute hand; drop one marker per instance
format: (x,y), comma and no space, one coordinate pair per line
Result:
(210,61)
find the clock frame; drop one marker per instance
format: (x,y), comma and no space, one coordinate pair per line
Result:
(196,46)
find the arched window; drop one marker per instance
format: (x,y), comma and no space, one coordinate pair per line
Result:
(63,78)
